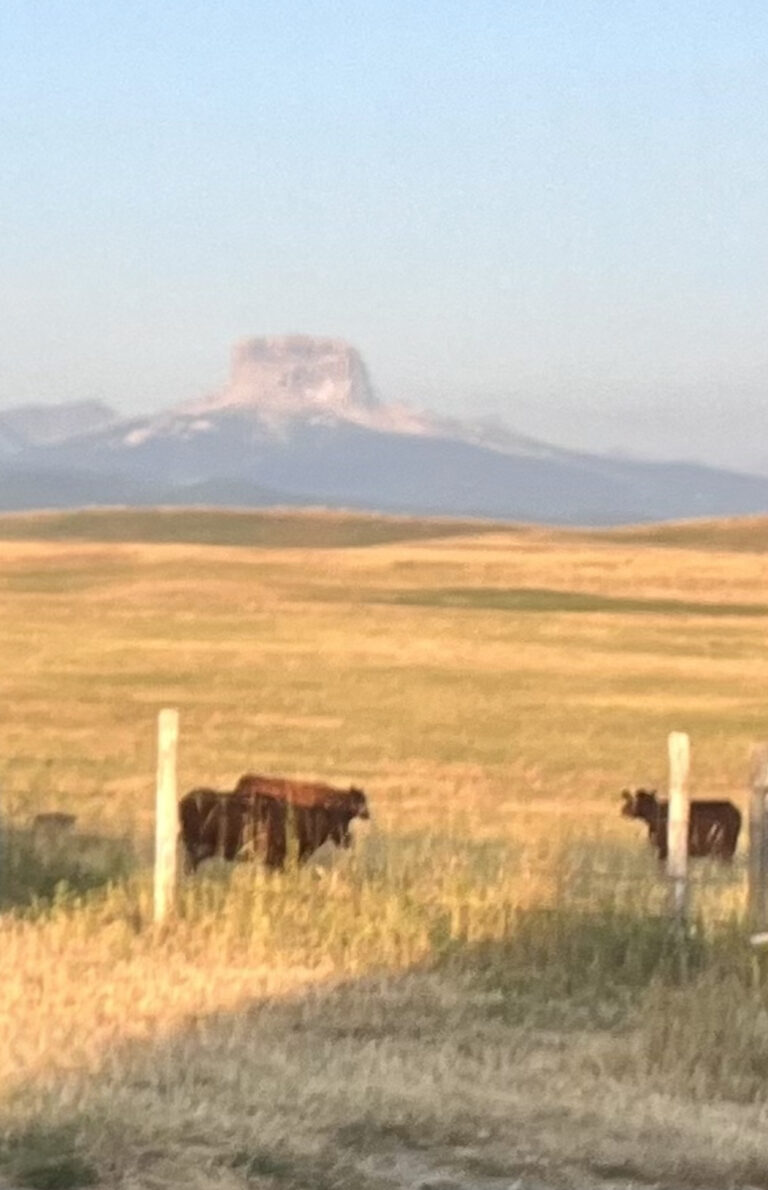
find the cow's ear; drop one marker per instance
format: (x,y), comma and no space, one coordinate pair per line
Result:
(626,796)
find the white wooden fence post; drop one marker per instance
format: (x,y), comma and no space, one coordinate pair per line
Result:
(166,813)
(758,841)
(677,822)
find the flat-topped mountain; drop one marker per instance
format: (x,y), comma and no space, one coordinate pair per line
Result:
(297,374)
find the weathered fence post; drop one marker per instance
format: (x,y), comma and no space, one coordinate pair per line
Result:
(166,813)
(677,822)
(758,840)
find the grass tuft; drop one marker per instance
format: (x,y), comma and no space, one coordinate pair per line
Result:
(37,872)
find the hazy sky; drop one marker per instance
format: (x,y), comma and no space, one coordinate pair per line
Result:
(550,210)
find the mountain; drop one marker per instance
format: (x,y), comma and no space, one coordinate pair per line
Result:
(299,422)
(41,425)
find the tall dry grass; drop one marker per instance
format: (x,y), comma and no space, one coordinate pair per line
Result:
(488,983)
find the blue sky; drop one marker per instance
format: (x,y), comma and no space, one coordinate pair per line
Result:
(554,212)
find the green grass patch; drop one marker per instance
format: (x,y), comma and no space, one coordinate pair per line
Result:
(56,580)
(543,599)
(741,534)
(277,530)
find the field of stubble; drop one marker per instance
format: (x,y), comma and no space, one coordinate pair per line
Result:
(486,988)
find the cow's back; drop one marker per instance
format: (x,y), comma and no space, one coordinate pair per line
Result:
(713,829)
(315,810)
(295,793)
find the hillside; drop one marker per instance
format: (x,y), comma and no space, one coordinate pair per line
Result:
(319,529)
(748,534)
(328,529)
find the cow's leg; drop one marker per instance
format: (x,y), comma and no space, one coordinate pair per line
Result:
(276,821)
(728,848)
(301,823)
(306,831)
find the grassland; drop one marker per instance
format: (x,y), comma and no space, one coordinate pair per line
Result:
(486,988)
(280,529)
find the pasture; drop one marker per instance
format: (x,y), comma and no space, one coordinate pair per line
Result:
(485,989)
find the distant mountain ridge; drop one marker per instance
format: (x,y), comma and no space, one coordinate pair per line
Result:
(300,423)
(42,425)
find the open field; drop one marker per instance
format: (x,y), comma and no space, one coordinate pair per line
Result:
(486,989)
(281,528)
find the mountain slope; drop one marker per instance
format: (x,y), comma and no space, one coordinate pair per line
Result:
(345,464)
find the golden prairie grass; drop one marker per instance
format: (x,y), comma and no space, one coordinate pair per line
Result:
(487,986)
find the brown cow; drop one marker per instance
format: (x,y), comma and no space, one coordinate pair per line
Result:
(713,826)
(234,826)
(319,811)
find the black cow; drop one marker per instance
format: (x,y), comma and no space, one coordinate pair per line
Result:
(713,826)
(234,826)
(318,811)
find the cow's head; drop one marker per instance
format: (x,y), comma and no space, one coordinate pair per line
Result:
(353,804)
(640,804)
(358,803)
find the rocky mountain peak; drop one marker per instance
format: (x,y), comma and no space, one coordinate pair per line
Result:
(296,374)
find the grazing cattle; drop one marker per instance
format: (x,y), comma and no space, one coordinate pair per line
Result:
(233,826)
(713,826)
(319,812)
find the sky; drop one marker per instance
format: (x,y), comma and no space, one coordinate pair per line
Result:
(551,212)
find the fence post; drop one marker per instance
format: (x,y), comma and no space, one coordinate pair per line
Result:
(166,813)
(758,840)
(677,822)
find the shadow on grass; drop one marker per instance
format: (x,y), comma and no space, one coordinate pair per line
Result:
(575,969)
(47,1158)
(354,1080)
(366,1081)
(38,868)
